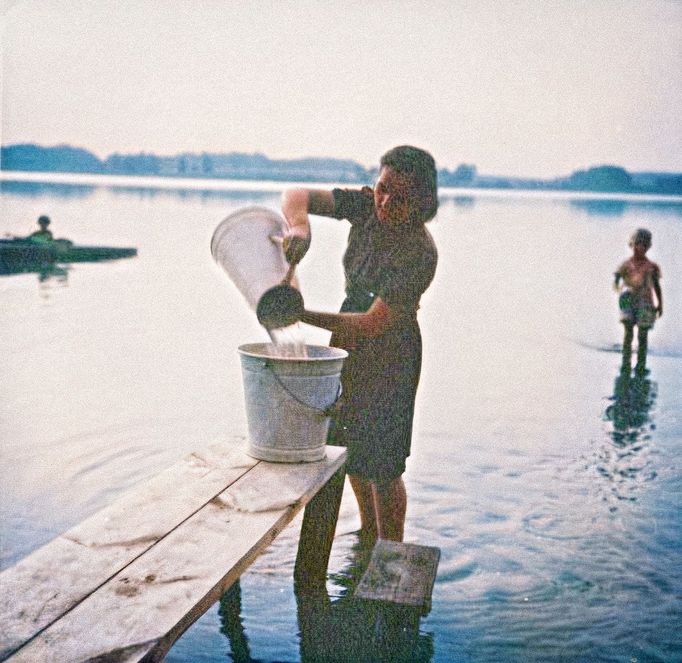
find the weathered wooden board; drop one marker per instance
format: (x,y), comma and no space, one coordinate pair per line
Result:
(402,573)
(144,608)
(44,585)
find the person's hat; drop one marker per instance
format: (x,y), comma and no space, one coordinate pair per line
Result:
(43,220)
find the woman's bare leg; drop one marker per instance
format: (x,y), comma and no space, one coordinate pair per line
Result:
(368,522)
(390,504)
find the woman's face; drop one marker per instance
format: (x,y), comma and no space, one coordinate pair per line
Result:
(395,199)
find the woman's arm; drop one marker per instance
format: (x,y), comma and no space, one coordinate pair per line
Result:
(354,327)
(379,318)
(296,205)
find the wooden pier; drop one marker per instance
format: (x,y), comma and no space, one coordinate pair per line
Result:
(124,584)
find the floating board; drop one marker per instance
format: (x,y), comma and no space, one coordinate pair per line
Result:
(400,573)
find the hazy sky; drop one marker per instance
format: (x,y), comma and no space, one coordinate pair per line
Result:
(517,87)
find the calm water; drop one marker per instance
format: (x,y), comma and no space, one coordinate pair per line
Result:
(553,490)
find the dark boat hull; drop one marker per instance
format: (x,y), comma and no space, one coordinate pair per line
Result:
(17,255)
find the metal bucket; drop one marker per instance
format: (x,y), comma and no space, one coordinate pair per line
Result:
(287,399)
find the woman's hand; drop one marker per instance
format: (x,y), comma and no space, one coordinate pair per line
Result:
(296,243)
(295,204)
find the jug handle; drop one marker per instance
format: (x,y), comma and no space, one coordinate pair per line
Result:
(278,239)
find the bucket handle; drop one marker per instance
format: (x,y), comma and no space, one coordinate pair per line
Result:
(326,412)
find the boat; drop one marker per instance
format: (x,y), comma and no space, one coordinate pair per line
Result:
(29,255)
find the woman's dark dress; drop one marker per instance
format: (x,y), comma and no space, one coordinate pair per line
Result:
(381,374)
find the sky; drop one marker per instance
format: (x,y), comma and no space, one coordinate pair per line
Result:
(528,88)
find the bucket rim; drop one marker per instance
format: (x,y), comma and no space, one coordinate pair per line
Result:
(272,215)
(257,351)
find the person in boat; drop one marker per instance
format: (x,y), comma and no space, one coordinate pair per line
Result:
(389,262)
(640,282)
(42,235)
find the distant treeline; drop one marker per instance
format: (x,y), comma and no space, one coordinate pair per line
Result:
(236,165)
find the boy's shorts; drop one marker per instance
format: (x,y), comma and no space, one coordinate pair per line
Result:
(642,315)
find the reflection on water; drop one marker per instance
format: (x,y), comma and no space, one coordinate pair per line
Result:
(599,207)
(75,191)
(633,398)
(627,462)
(615,207)
(46,189)
(202,195)
(54,273)
(231,625)
(464,201)
(352,629)
(340,630)
(47,272)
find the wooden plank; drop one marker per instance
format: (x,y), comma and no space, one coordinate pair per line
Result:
(49,582)
(402,573)
(141,611)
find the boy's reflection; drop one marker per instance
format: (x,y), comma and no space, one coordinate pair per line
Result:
(625,461)
(630,411)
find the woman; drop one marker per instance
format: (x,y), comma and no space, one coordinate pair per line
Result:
(389,262)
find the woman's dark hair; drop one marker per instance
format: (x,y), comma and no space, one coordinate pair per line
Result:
(420,165)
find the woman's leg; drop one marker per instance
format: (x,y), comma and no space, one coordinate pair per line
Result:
(390,504)
(368,522)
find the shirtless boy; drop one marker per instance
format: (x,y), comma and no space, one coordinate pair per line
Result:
(641,281)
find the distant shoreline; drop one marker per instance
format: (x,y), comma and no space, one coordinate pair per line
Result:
(275,186)
(237,166)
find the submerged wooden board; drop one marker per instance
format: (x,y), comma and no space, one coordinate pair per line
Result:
(150,601)
(402,573)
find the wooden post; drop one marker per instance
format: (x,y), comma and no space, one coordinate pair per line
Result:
(317,533)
